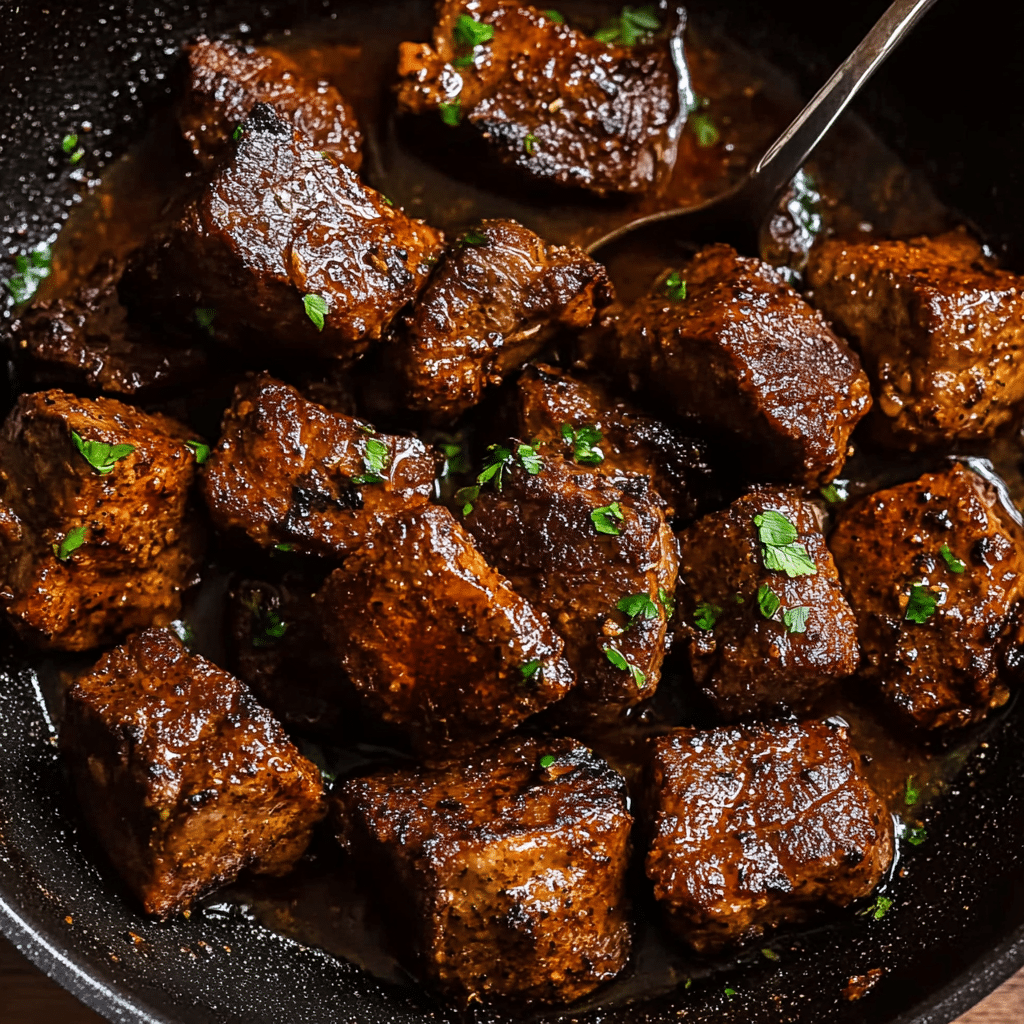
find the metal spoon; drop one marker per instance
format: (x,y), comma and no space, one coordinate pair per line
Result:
(738,215)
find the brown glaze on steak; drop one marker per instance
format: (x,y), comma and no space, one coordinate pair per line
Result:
(551,101)
(184,778)
(539,531)
(288,471)
(85,341)
(505,874)
(139,543)
(940,330)
(280,221)
(748,664)
(496,299)
(951,669)
(438,643)
(746,357)
(225,82)
(759,826)
(631,444)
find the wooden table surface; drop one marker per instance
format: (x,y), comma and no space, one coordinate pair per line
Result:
(28,997)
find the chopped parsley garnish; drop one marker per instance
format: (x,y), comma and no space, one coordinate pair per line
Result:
(530,669)
(705,130)
(200,450)
(630,27)
(387,202)
(638,606)
(618,659)
(31,271)
(71,149)
(464,61)
(205,318)
(769,954)
(912,794)
(267,627)
(472,238)
(465,496)
(706,615)
(99,455)
(284,548)
(604,519)
(952,562)
(767,600)
(72,541)
(584,443)
(729,992)
(530,144)
(795,619)
(451,113)
(915,836)
(238,132)
(780,549)
(668,602)
(833,494)
(879,908)
(555,16)
(922,604)
(455,460)
(374,460)
(498,459)
(470,32)
(530,458)
(184,632)
(675,287)
(316,309)
(547,760)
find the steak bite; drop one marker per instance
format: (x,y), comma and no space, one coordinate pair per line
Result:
(940,330)
(436,641)
(495,300)
(729,344)
(758,826)
(505,874)
(551,101)
(184,778)
(288,471)
(97,538)
(588,426)
(86,341)
(225,82)
(600,562)
(763,639)
(934,571)
(292,251)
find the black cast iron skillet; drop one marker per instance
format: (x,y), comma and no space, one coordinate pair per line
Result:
(949,104)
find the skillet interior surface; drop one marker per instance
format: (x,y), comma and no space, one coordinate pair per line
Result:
(946,102)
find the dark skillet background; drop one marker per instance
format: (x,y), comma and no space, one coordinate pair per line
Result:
(949,101)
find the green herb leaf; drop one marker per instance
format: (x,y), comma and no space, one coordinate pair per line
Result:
(455,460)
(376,457)
(72,541)
(316,309)
(530,458)
(465,496)
(637,606)
(470,32)
(200,450)
(774,529)
(267,627)
(205,318)
(705,129)
(496,460)
(555,16)
(32,270)
(100,456)
(952,562)
(668,602)
(451,113)
(630,27)
(706,615)
(618,659)
(915,836)
(913,794)
(770,954)
(604,519)
(69,142)
(530,144)
(238,132)
(547,761)
(780,551)
(832,494)
(795,619)
(464,61)
(879,908)
(767,600)
(284,548)
(584,443)
(922,604)
(472,238)
(729,992)
(675,287)
(530,669)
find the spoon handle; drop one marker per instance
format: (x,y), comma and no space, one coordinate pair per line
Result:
(789,151)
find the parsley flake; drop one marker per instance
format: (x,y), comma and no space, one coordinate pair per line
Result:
(705,129)
(498,457)
(316,309)
(547,760)
(530,144)
(630,27)
(455,460)
(833,494)
(706,615)
(795,619)
(584,443)
(470,32)
(205,318)
(916,836)
(618,659)
(267,626)
(675,287)
(530,458)
(780,550)
(451,113)
(729,992)
(69,142)
(99,455)
(922,604)
(878,909)
(668,602)
(912,794)
(472,238)
(767,600)
(31,271)
(284,548)
(200,450)
(465,496)
(374,460)
(770,954)
(555,16)
(238,132)
(637,606)
(952,562)
(604,519)
(72,541)
(530,669)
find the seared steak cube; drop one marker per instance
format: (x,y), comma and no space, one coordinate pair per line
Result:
(96,535)
(494,301)
(86,341)
(591,428)
(551,101)
(225,82)
(184,778)
(940,330)
(600,562)
(728,343)
(289,249)
(279,652)
(763,638)
(505,874)
(288,471)
(934,571)
(437,642)
(761,825)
